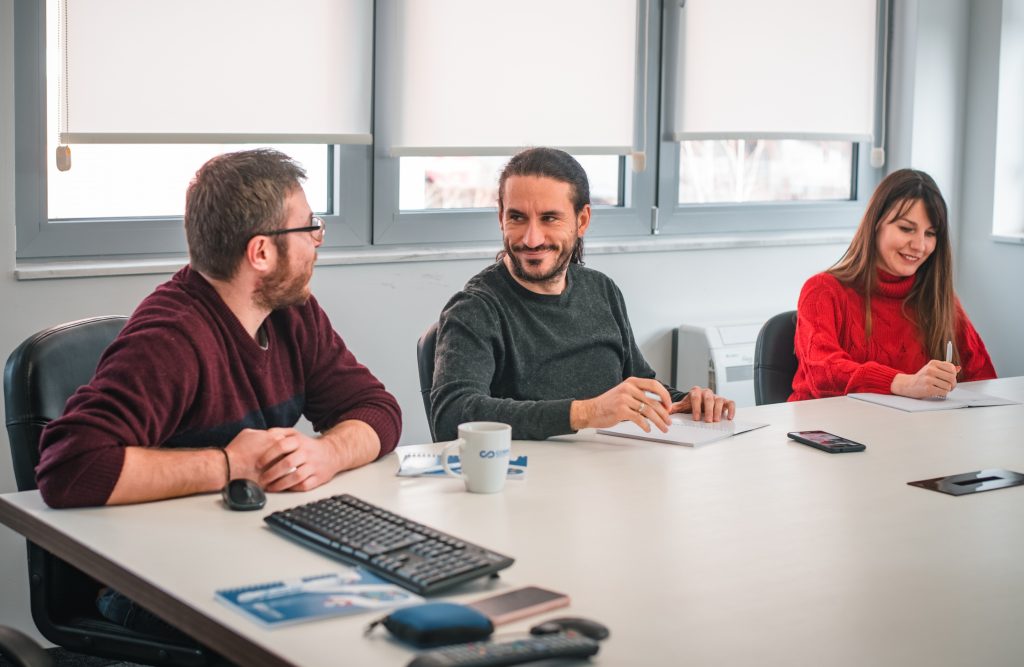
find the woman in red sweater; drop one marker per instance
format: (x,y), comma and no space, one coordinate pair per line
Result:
(880,320)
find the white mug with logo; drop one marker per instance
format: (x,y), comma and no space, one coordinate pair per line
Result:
(484,452)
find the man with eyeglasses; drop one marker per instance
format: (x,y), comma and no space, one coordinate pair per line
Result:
(214,369)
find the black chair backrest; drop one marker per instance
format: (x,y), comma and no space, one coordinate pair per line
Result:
(425,362)
(39,378)
(774,361)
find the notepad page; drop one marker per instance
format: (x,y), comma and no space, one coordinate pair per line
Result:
(958,398)
(683,431)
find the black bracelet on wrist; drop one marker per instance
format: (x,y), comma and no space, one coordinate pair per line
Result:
(227,463)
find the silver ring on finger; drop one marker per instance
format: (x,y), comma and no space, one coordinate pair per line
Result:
(642,407)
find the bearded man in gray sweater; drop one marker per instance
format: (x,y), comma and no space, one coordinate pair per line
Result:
(537,340)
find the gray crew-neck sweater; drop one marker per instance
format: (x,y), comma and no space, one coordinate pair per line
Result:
(510,355)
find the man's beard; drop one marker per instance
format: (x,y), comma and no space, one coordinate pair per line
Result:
(282,288)
(549,276)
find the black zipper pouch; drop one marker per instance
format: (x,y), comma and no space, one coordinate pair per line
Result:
(436,624)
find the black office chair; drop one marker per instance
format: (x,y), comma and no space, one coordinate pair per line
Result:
(21,650)
(774,361)
(425,361)
(40,376)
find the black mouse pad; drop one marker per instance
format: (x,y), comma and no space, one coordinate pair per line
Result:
(972,482)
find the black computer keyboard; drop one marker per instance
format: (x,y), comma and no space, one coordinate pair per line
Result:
(408,553)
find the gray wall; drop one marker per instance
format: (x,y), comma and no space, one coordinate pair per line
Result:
(945,87)
(990,275)
(381,309)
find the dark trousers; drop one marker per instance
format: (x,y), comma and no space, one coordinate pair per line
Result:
(116,608)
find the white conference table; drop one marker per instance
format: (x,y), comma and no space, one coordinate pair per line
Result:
(751,550)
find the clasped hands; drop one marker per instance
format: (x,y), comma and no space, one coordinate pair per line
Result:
(644,402)
(281,459)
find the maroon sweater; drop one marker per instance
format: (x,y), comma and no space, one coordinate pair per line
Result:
(184,373)
(835,356)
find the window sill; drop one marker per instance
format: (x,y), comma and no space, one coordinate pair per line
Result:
(1012,239)
(54,269)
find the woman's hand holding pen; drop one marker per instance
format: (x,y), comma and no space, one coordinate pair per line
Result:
(934,380)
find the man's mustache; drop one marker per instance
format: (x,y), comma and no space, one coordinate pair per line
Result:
(524,248)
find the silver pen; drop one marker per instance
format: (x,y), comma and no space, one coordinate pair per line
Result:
(949,354)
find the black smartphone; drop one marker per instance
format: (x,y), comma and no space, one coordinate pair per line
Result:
(826,442)
(520,603)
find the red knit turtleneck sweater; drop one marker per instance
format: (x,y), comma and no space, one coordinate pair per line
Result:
(836,358)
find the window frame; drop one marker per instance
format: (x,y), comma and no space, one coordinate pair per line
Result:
(365,213)
(753,217)
(392,226)
(740,217)
(39,238)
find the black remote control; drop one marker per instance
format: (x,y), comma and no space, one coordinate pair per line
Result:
(515,652)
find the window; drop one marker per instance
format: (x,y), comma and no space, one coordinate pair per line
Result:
(687,120)
(148,181)
(1008,199)
(764,170)
(459,182)
(142,114)
(446,124)
(768,119)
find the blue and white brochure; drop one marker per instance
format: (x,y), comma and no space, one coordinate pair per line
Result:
(425,461)
(351,591)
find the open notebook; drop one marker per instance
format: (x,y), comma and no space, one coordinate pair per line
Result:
(683,431)
(958,398)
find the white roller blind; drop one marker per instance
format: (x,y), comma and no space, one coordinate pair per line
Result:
(795,69)
(473,77)
(217,71)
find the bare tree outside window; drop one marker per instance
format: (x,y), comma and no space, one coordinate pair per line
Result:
(455,182)
(762,170)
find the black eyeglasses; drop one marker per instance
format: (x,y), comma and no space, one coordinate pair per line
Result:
(316,230)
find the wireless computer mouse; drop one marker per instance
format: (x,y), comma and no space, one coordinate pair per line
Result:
(583,626)
(243,494)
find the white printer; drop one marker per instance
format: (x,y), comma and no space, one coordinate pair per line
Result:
(718,356)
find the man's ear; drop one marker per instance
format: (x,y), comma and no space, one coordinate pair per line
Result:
(583,220)
(260,253)
(501,217)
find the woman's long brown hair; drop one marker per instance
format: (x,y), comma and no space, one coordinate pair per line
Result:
(931,298)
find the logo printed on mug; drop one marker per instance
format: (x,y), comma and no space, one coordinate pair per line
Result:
(484,453)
